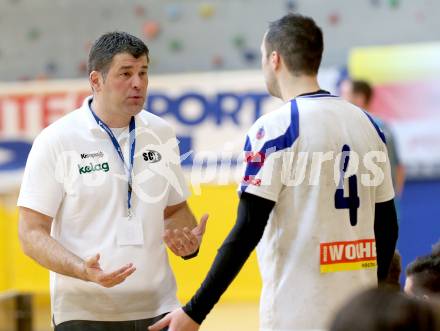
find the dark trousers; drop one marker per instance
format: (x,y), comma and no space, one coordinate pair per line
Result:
(80,325)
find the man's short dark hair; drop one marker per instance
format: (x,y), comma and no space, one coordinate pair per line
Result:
(425,273)
(112,43)
(380,309)
(362,87)
(299,41)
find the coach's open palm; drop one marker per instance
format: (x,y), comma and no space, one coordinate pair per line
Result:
(94,273)
(184,242)
(176,321)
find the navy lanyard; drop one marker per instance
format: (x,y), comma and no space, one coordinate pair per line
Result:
(129,168)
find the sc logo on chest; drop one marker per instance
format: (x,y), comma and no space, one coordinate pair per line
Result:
(151,156)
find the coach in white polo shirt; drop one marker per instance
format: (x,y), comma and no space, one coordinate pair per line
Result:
(102,191)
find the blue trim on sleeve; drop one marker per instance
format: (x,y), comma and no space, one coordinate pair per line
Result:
(279,143)
(247,145)
(377,127)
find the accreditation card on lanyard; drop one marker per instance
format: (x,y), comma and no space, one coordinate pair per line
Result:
(129,230)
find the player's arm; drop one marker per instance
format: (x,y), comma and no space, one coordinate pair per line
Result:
(252,217)
(386,232)
(393,155)
(182,233)
(400,178)
(36,242)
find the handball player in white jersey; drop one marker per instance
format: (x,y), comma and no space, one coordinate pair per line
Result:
(316,197)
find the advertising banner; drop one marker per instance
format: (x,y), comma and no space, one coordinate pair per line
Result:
(407,96)
(211,113)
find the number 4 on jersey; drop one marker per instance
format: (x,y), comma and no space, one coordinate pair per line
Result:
(352,201)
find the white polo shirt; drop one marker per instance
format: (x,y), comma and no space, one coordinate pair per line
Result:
(74,174)
(318,248)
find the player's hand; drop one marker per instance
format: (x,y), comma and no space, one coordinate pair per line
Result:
(176,321)
(94,273)
(185,242)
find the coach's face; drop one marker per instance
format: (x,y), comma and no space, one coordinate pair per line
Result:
(267,66)
(124,87)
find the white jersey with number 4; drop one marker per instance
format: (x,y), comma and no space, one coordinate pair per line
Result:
(324,162)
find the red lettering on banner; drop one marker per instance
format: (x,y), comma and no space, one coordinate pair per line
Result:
(18,107)
(80,98)
(348,251)
(56,106)
(1,115)
(21,107)
(44,108)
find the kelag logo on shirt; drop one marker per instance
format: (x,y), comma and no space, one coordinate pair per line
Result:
(93,167)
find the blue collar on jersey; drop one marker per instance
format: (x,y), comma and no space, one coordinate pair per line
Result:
(313,93)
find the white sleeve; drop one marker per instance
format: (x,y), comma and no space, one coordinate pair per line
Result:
(40,190)
(266,183)
(263,165)
(385,189)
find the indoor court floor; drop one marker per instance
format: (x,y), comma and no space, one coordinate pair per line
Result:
(225,316)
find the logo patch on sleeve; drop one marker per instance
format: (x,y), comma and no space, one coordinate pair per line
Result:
(251,180)
(151,156)
(260,133)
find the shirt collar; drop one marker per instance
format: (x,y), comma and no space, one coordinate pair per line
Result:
(91,122)
(319,92)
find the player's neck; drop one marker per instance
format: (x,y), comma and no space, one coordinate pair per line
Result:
(292,86)
(366,107)
(111,119)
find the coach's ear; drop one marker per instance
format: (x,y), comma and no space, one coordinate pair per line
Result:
(96,80)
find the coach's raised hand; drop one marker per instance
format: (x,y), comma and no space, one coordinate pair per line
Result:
(175,321)
(183,241)
(94,273)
